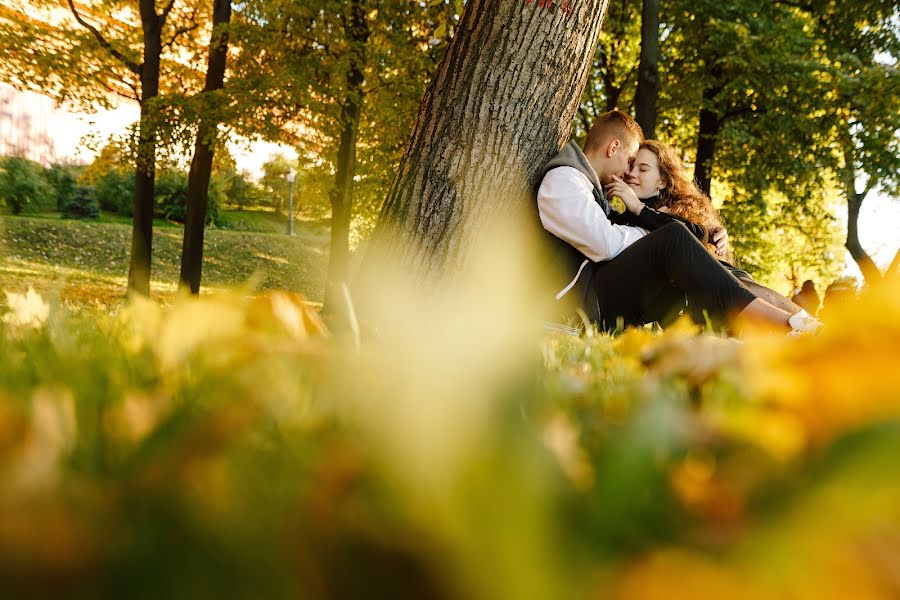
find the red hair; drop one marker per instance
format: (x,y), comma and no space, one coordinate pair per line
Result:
(681,195)
(613,125)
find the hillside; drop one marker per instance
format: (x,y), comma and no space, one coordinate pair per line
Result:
(85,263)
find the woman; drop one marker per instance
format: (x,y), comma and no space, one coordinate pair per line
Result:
(659,180)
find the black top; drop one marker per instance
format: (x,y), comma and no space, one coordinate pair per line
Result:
(651,219)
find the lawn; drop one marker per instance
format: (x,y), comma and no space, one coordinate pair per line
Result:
(87,262)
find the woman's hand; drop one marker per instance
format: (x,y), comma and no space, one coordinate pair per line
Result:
(719,238)
(621,189)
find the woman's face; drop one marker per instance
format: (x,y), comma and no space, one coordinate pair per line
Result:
(644,177)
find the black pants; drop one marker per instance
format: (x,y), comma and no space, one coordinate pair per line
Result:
(659,275)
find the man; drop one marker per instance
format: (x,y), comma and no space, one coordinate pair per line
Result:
(636,267)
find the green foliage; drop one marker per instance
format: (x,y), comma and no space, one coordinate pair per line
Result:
(170,202)
(800,92)
(81,204)
(298,83)
(274,185)
(239,190)
(781,245)
(62,178)
(114,191)
(23,186)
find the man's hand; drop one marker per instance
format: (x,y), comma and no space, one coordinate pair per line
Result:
(621,189)
(720,241)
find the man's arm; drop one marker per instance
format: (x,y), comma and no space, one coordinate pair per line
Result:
(568,210)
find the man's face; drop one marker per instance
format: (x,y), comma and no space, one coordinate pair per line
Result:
(615,160)
(625,159)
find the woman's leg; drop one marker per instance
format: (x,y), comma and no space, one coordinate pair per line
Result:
(652,275)
(770,296)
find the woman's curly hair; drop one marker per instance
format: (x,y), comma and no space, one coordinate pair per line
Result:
(681,196)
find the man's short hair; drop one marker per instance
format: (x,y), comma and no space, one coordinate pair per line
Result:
(614,125)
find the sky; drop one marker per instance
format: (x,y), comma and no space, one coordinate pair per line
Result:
(879,220)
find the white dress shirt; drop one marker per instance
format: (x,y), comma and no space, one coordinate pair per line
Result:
(568,210)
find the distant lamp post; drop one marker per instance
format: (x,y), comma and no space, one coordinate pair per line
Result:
(291,176)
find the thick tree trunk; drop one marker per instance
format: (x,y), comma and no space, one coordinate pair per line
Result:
(142,221)
(500,105)
(707,134)
(357,33)
(648,70)
(204,151)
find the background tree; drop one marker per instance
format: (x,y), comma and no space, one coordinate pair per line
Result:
(204,150)
(94,51)
(22,183)
(357,71)
(614,68)
(648,69)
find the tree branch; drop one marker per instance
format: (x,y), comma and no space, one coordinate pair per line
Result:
(132,66)
(165,13)
(179,32)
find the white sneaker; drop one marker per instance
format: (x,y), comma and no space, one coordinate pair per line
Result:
(803,323)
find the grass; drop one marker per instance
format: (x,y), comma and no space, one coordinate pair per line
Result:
(225,447)
(87,262)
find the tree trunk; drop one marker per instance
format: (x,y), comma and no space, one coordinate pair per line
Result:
(648,70)
(142,221)
(707,134)
(357,33)
(855,199)
(204,151)
(500,105)
(867,266)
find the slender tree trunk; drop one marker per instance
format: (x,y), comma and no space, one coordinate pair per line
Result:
(144,185)
(204,151)
(357,32)
(855,199)
(500,105)
(707,136)
(648,70)
(867,266)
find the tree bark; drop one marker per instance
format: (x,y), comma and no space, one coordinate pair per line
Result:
(204,151)
(357,33)
(867,266)
(855,199)
(707,135)
(648,70)
(500,105)
(145,174)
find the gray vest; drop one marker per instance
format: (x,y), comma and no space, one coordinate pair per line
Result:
(567,259)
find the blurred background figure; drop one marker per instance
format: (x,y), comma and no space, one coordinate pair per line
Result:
(807,297)
(842,288)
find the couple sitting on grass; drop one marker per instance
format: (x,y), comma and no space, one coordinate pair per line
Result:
(652,261)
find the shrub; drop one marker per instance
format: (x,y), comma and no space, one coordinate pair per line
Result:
(114,191)
(171,198)
(22,184)
(81,204)
(62,179)
(239,190)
